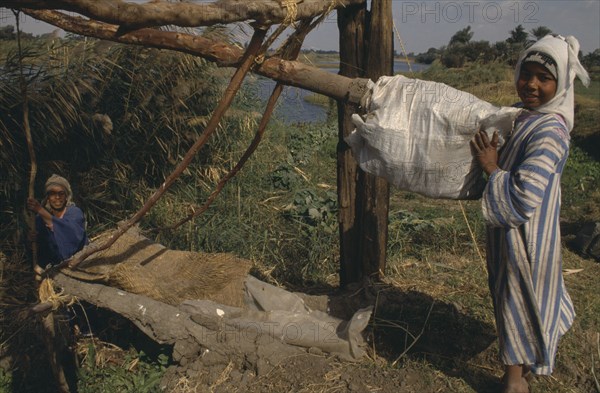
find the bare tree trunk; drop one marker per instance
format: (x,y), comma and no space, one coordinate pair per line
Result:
(373,198)
(351,22)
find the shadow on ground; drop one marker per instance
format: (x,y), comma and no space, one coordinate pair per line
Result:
(409,325)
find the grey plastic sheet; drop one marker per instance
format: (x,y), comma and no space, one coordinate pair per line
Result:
(283,315)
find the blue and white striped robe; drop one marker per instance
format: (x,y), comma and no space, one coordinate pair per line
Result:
(521,205)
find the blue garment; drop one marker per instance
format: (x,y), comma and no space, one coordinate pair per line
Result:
(66,237)
(521,205)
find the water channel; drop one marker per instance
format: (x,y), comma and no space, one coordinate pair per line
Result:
(293,107)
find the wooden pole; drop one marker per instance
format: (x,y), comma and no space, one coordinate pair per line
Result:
(351,23)
(366,49)
(48,323)
(291,73)
(374,191)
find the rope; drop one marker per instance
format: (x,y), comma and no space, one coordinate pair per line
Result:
(402,45)
(332,6)
(291,15)
(47,294)
(481,258)
(304,28)
(291,11)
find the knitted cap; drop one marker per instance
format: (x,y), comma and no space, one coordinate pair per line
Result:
(56,180)
(544,59)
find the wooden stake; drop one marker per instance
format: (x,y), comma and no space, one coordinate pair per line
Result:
(49,334)
(374,191)
(351,23)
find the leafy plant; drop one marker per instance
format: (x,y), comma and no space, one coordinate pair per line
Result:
(581,176)
(316,211)
(136,374)
(5,381)
(284,177)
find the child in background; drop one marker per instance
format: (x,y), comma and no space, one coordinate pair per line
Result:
(59,223)
(521,205)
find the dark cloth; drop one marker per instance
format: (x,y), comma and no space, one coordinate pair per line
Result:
(66,237)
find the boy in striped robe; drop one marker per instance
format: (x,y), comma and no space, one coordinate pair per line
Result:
(521,205)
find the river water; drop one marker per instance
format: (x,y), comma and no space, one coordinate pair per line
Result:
(292,106)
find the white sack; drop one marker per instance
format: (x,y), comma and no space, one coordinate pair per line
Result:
(416,135)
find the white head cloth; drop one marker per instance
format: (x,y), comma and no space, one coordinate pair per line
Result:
(564,51)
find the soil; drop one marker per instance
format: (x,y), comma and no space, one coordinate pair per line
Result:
(417,345)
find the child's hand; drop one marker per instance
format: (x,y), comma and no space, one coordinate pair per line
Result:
(33,205)
(486,151)
(37,272)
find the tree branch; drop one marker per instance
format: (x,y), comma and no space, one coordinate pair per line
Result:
(291,73)
(183,14)
(292,50)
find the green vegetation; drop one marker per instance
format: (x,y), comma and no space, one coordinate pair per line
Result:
(132,372)
(461,50)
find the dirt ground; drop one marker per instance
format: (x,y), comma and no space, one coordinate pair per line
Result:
(418,341)
(417,344)
(430,331)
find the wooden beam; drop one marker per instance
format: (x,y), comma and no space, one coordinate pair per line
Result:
(185,14)
(366,49)
(287,72)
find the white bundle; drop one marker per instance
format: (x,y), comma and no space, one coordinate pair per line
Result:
(416,135)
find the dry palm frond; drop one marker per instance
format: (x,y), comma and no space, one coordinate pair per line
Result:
(148,95)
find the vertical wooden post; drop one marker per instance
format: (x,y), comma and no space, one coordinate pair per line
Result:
(351,23)
(374,191)
(363,198)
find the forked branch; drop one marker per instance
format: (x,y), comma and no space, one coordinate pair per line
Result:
(131,15)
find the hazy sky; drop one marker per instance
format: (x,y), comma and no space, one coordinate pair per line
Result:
(423,24)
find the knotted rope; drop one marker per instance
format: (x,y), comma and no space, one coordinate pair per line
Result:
(47,294)
(291,11)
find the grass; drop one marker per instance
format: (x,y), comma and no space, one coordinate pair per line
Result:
(108,368)
(431,252)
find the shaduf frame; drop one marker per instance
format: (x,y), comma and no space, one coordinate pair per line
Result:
(366,51)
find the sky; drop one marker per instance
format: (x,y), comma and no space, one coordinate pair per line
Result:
(424,24)
(428,24)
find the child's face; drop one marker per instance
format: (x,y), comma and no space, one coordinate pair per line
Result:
(57,197)
(536,85)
